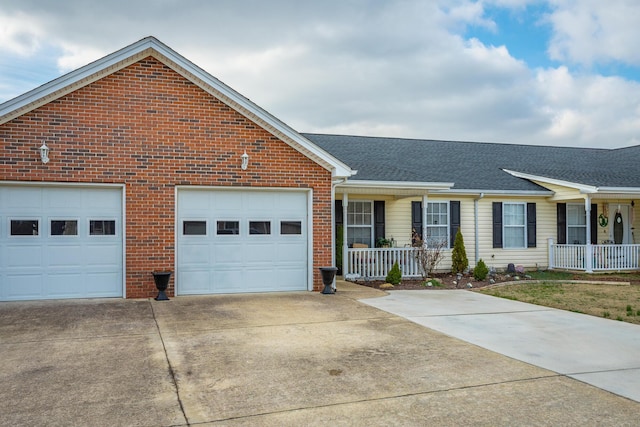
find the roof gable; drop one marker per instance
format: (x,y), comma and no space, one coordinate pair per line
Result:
(150,46)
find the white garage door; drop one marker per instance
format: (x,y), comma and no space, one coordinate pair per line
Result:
(241,241)
(60,242)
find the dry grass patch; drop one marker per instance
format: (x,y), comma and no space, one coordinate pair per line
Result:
(617,302)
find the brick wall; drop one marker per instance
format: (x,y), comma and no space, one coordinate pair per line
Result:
(151,129)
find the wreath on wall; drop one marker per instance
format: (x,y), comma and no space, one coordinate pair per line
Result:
(603,220)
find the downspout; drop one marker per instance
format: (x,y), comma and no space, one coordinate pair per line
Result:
(475,220)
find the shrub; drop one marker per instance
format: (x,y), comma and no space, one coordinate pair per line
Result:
(394,276)
(428,257)
(459,261)
(481,270)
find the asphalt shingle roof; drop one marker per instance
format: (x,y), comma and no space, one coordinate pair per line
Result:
(478,166)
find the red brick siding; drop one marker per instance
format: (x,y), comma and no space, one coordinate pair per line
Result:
(151,129)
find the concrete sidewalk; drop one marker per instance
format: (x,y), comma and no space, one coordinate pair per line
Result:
(601,352)
(281,359)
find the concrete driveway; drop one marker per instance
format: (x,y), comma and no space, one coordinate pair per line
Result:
(269,359)
(601,352)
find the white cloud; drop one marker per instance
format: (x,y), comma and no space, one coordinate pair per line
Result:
(19,33)
(595,31)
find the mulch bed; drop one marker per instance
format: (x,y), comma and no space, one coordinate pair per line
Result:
(448,281)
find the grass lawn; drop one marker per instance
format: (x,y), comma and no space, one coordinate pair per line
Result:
(614,301)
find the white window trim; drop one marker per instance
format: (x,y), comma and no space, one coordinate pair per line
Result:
(581,205)
(370,226)
(505,227)
(448,225)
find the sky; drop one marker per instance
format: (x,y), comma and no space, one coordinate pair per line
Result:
(541,72)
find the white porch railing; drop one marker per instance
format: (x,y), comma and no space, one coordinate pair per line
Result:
(594,257)
(376,263)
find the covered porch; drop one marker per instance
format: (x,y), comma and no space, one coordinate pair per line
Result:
(602,240)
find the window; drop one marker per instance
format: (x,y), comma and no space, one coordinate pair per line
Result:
(102,227)
(194,228)
(228,227)
(437,223)
(576,224)
(360,223)
(24,227)
(290,227)
(64,227)
(514,223)
(259,227)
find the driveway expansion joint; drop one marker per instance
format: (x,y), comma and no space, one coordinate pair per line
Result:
(171,370)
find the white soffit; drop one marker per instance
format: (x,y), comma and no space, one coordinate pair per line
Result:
(588,189)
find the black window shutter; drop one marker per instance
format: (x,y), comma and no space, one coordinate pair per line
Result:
(497,224)
(562,223)
(454,220)
(378,219)
(531,225)
(338,214)
(416,219)
(594,223)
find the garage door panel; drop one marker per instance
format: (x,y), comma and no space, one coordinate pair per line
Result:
(228,253)
(245,262)
(103,255)
(22,256)
(27,200)
(64,285)
(289,278)
(261,280)
(196,254)
(23,286)
(103,284)
(291,252)
(65,256)
(259,253)
(196,282)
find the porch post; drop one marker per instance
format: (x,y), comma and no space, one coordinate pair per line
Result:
(550,251)
(589,249)
(345,245)
(425,200)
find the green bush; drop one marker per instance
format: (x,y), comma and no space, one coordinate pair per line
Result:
(459,261)
(481,270)
(394,276)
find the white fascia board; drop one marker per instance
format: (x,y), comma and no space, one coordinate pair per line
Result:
(586,189)
(619,190)
(150,46)
(399,185)
(471,192)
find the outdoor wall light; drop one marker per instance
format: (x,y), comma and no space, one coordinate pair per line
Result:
(44,153)
(245,161)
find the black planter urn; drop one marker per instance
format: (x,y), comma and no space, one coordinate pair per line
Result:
(161,278)
(328,274)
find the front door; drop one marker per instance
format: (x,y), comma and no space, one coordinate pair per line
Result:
(620,224)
